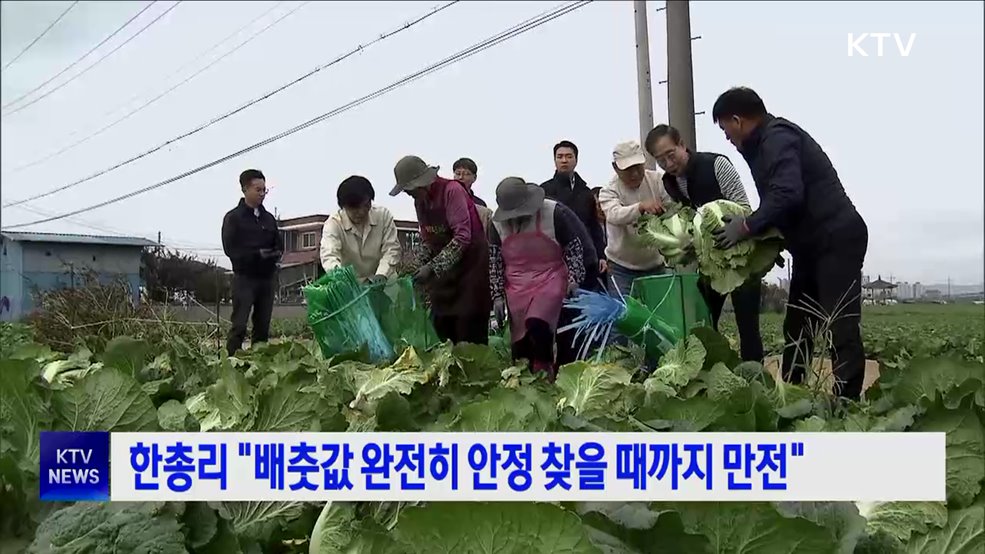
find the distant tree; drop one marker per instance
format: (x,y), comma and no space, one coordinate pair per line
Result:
(773,298)
(167,273)
(408,263)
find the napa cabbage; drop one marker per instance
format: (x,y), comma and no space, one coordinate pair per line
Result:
(727,269)
(686,240)
(671,234)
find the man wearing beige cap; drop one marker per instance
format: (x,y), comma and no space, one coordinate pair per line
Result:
(454,256)
(632,192)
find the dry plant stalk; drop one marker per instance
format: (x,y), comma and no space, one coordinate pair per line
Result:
(817,346)
(93,313)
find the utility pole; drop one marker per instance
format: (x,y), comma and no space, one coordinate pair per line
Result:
(643,76)
(680,75)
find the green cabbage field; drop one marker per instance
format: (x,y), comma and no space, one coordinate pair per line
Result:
(932,379)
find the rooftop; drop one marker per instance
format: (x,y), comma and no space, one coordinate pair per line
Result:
(77,239)
(317,221)
(302,220)
(300,257)
(879,284)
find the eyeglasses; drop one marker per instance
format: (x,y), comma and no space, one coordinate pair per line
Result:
(666,156)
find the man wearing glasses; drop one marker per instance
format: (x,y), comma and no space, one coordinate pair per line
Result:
(466,172)
(694,179)
(254,245)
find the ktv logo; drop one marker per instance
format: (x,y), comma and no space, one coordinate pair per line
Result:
(856,43)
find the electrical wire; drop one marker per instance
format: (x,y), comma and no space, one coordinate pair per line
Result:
(509,34)
(97,62)
(137,96)
(213,121)
(166,92)
(176,245)
(39,37)
(84,56)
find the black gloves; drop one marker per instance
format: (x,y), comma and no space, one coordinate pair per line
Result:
(734,232)
(423,275)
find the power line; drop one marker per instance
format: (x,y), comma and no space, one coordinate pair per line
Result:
(222,117)
(79,222)
(97,62)
(94,64)
(39,37)
(511,33)
(183,246)
(84,56)
(166,92)
(137,96)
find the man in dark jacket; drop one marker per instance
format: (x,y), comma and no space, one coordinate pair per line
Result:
(695,179)
(802,196)
(568,188)
(253,243)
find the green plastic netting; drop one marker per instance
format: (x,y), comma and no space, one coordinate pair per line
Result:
(404,318)
(342,317)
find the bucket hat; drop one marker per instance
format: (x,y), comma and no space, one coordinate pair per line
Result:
(412,173)
(517,198)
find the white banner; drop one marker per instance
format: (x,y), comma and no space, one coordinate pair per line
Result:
(601,467)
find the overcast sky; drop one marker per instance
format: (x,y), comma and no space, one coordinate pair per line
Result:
(905,133)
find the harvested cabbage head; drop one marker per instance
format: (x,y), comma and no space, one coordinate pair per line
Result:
(671,234)
(728,269)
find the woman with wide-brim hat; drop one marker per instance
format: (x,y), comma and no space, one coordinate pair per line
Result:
(536,260)
(454,255)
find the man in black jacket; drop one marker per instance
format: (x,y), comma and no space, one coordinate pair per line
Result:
(253,243)
(802,196)
(695,179)
(569,189)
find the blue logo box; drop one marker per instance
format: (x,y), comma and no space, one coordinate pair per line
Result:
(74,466)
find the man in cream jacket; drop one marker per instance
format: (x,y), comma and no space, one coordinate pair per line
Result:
(632,192)
(360,234)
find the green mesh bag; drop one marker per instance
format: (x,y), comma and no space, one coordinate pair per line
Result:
(404,318)
(342,317)
(668,307)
